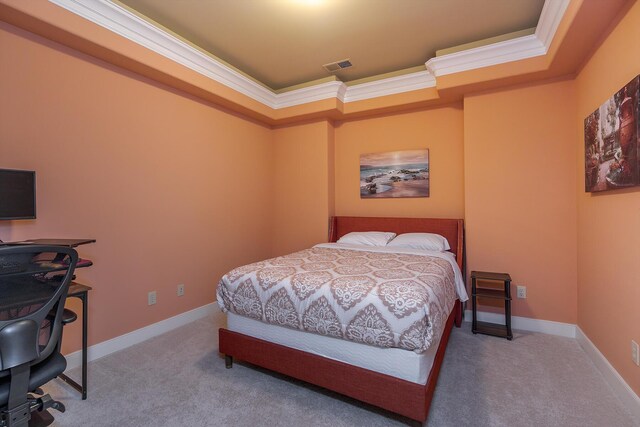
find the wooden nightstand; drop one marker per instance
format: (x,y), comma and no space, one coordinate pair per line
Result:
(497,286)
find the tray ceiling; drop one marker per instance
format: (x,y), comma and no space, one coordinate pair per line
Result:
(282,43)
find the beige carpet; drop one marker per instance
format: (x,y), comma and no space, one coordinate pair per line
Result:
(179,379)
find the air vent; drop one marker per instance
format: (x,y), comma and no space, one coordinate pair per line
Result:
(332,67)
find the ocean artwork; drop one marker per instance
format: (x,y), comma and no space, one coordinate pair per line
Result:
(394,174)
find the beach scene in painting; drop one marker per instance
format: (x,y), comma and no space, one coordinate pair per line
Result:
(394,174)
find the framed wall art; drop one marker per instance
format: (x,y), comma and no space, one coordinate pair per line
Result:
(612,142)
(394,174)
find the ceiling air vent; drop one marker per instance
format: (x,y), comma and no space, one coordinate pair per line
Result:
(332,67)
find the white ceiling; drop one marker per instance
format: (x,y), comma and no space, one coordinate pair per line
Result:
(285,42)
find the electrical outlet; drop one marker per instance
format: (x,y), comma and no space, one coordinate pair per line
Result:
(521,291)
(151,298)
(635,352)
(180,291)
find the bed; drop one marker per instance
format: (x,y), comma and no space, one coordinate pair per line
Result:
(395,368)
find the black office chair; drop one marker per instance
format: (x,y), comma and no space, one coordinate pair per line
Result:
(30,288)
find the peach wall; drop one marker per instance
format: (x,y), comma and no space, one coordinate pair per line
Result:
(44,18)
(580,26)
(303,199)
(173,189)
(439,130)
(520,193)
(103,140)
(609,223)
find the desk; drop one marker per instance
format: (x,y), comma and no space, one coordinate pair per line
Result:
(72,243)
(31,293)
(77,290)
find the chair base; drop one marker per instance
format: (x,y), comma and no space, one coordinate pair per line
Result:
(34,413)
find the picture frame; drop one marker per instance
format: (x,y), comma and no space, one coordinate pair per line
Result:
(612,142)
(395,174)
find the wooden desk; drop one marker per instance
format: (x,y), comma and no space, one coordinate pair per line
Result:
(80,291)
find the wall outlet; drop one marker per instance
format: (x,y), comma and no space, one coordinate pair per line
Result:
(151,298)
(521,291)
(180,290)
(635,352)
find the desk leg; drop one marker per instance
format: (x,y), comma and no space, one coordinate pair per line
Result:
(84,297)
(85,302)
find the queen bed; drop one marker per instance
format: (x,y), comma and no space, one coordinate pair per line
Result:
(369,322)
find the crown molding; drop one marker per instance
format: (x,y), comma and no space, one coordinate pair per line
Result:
(485,56)
(127,24)
(502,52)
(550,17)
(335,89)
(390,86)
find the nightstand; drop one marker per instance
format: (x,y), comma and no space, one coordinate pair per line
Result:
(491,285)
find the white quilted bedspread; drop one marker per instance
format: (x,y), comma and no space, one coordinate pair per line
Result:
(378,296)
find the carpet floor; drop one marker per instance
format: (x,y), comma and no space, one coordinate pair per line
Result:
(179,379)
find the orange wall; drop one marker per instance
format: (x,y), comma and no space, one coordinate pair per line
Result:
(173,189)
(609,223)
(303,198)
(506,163)
(104,140)
(439,130)
(520,202)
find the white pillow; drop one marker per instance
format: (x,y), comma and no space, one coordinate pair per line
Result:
(367,238)
(426,241)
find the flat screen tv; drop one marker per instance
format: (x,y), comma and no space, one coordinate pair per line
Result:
(17,194)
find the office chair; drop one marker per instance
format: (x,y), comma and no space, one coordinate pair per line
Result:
(28,358)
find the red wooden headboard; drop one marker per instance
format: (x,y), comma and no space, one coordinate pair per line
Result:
(451,229)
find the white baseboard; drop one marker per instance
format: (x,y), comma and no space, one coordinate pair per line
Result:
(135,337)
(527,324)
(619,386)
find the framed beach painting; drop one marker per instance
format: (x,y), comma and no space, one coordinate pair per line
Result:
(394,174)
(612,142)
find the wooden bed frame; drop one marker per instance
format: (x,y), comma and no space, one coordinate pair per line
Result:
(400,396)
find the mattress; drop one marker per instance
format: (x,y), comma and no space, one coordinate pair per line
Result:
(384,297)
(396,362)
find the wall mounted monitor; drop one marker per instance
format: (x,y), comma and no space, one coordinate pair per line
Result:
(17,194)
